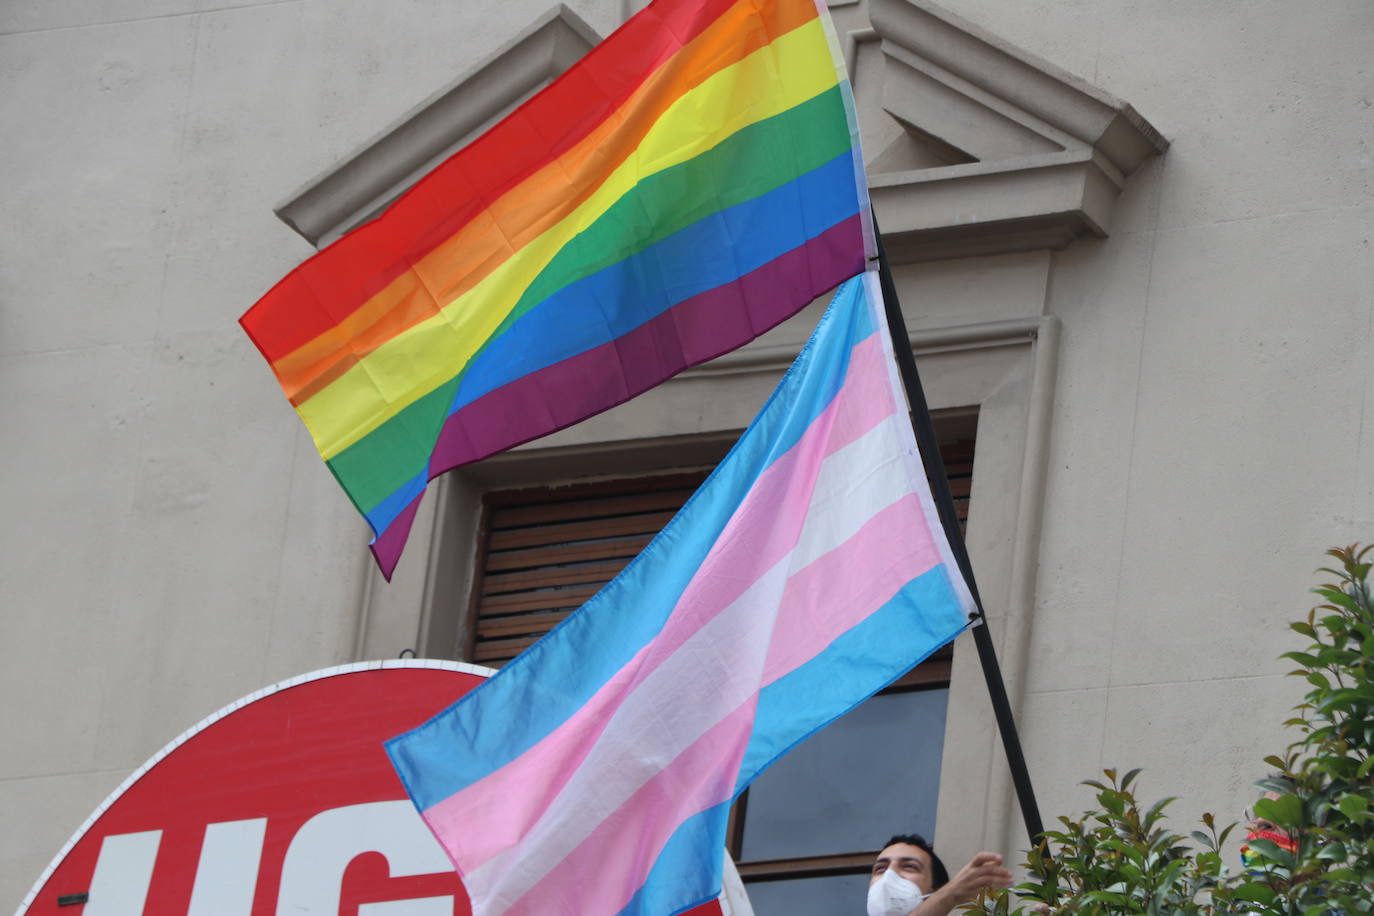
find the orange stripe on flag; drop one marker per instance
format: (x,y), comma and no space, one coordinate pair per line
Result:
(529,209)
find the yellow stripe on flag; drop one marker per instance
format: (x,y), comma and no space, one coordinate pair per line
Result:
(792,69)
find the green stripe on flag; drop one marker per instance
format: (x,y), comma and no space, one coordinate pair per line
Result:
(746,165)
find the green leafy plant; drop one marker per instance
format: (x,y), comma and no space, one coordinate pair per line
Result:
(1120,859)
(1324,790)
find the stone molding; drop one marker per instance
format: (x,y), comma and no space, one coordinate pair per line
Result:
(1028,156)
(382,168)
(999,151)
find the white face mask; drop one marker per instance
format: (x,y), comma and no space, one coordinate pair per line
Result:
(893,895)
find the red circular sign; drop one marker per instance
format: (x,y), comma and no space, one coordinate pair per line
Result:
(283,802)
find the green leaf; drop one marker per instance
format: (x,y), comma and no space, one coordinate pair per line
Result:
(1277,786)
(1306,629)
(1286,810)
(1256,893)
(1341,599)
(1157,809)
(1333,852)
(1270,851)
(1203,839)
(1302,658)
(1353,806)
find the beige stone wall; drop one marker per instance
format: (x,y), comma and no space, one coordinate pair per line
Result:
(1189,401)
(1212,428)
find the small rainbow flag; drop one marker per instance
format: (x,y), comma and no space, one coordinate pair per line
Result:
(690,183)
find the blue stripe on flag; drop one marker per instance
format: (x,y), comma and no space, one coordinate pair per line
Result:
(688,869)
(556,676)
(385,512)
(862,661)
(754,233)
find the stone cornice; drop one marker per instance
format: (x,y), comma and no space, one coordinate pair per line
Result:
(1043,201)
(1004,151)
(1038,154)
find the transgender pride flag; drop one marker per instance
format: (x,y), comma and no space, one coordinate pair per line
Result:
(592,776)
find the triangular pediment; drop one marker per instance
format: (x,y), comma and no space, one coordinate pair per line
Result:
(913,149)
(987,148)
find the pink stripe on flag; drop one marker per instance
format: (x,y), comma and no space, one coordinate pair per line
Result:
(820,603)
(702,776)
(497,811)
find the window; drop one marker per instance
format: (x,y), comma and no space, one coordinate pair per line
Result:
(804,833)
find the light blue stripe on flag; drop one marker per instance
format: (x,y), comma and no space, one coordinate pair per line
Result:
(689,867)
(834,682)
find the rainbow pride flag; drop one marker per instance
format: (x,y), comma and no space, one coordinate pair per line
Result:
(592,776)
(690,183)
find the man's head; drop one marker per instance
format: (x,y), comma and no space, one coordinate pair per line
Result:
(911,857)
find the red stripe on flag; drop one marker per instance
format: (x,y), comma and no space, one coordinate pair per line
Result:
(332,283)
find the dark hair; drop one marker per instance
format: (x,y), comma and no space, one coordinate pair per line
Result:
(938,873)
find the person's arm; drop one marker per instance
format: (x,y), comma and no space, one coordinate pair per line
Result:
(982,872)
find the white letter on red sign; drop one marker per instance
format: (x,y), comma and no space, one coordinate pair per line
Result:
(122,873)
(227,874)
(313,872)
(418,906)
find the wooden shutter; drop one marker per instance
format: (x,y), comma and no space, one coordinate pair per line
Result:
(958,458)
(549,549)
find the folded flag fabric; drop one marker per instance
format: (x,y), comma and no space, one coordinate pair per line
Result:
(593,774)
(690,183)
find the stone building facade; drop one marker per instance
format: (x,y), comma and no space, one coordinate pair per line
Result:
(1132,243)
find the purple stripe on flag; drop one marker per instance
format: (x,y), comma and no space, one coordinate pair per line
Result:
(387,546)
(691,332)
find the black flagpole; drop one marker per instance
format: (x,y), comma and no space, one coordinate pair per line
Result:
(944,502)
